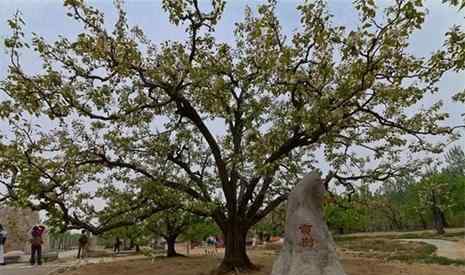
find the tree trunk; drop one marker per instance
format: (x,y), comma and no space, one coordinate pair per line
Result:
(443,217)
(438,215)
(235,255)
(423,222)
(438,218)
(171,244)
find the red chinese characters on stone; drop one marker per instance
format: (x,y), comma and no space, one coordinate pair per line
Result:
(307,239)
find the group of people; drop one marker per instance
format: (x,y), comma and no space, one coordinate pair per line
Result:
(36,239)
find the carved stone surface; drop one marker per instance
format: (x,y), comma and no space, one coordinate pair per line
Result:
(308,246)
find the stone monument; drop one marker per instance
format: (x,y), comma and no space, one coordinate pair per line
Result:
(308,246)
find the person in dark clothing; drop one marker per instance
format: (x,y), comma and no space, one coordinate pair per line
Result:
(83,241)
(36,244)
(116,248)
(3,236)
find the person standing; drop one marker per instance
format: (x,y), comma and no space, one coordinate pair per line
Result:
(36,244)
(3,235)
(83,242)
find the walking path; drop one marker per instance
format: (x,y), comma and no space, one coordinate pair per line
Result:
(45,269)
(20,269)
(448,249)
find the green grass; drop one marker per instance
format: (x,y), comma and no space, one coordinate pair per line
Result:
(420,235)
(428,259)
(386,247)
(427,235)
(390,249)
(442,260)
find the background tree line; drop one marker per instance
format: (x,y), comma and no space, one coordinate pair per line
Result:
(435,199)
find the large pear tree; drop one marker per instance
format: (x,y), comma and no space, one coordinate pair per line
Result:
(241,121)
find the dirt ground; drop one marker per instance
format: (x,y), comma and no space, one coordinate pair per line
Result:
(200,265)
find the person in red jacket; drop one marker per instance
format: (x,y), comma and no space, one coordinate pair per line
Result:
(36,244)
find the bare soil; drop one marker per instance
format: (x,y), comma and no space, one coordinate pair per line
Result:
(201,265)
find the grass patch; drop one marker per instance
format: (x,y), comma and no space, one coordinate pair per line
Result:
(442,260)
(386,247)
(428,259)
(390,250)
(419,235)
(428,235)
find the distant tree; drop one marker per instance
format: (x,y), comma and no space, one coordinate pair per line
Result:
(200,229)
(169,224)
(434,195)
(274,223)
(417,200)
(455,161)
(345,215)
(62,240)
(416,214)
(131,236)
(394,196)
(454,171)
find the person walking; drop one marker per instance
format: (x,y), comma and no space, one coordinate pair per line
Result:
(3,235)
(116,247)
(83,242)
(254,242)
(36,244)
(211,246)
